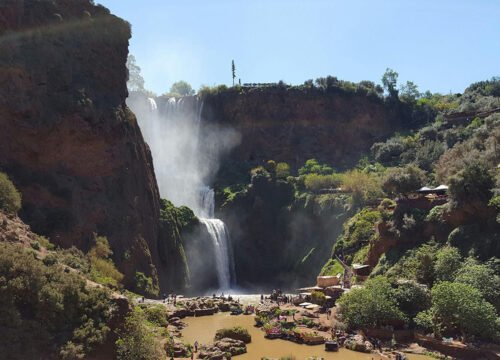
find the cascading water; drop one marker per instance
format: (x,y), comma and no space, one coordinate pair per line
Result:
(220,240)
(183,164)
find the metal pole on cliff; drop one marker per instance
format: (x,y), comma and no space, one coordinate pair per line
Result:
(233,70)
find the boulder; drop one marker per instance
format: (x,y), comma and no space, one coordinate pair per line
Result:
(232,346)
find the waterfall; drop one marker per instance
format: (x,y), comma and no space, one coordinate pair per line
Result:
(184,159)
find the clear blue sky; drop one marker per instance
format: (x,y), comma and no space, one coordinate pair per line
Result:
(441,45)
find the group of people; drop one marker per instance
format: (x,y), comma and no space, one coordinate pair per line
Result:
(170,299)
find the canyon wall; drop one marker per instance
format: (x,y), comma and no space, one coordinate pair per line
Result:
(67,139)
(295,124)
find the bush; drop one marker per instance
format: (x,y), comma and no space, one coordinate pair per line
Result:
(51,310)
(317,297)
(144,284)
(316,182)
(102,269)
(282,170)
(332,268)
(472,184)
(236,333)
(10,198)
(364,187)
(358,231)
(483,278)
(312,166)
(448,261)
(399,181)
(156,314)
(136,341)
(412,298)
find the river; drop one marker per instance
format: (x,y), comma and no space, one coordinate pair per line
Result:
(202,329)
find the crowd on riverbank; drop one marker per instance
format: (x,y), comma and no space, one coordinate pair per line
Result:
(278,317)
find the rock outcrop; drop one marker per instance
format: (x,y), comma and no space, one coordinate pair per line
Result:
(68,141)
(293,125)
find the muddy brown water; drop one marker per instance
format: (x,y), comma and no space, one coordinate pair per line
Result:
(202,329)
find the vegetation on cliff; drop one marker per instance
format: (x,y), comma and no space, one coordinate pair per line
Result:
(50,307)
(446,247)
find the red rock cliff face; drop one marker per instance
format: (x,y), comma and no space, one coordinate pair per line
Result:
(294,125)
(67,139)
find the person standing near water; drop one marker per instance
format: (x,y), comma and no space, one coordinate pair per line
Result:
(196,346)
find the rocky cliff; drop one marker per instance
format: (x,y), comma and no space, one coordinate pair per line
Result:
(68,141)
(295,124)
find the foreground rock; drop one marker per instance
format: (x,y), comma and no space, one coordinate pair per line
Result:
(358,343)
(222,347)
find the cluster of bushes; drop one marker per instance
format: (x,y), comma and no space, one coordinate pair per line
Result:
(138,340)
(236,333)
(102,268)
(358,233)
(449,308)
(10,198)
(51,309)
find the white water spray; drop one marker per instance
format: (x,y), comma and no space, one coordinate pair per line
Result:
(184,163)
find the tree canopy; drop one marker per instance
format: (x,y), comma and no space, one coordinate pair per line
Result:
(181,88)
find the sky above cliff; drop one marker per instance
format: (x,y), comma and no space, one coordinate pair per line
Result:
(441,45)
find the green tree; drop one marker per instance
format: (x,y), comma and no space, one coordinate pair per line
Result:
(282,170)
(400,181)
(135,80)
(181,88)
(481,277)
(371,306)
(49,308)
(409,92)
(102,268)
(136,341)
(364,187)
(313,166)
(472,185)
(10,198)
(412,298)
(448,261)
(390,81)
(460,307)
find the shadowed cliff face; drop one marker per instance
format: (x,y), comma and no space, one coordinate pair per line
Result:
(294,125)
(67,139)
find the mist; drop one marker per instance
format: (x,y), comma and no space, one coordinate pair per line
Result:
(186,152)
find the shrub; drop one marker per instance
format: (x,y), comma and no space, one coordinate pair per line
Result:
(399,181)
(332,268)
(483,278)
(388,151)
(412,298)
(156,314)
(448,261)
(52,310)
(359,230)
(144,284)
(364,187)
(236,333)
(436,214)
(282,170)
(10,198)
(472,184)
(312,166)
(102,269)
(317,297)
(316,182)
(136,340)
